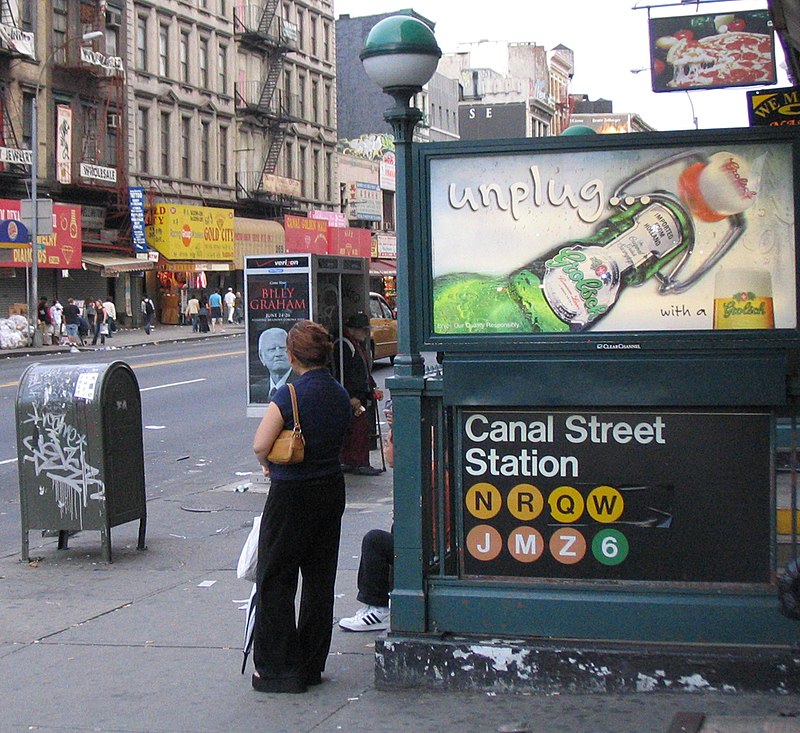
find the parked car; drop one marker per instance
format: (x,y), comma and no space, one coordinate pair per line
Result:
(382,328)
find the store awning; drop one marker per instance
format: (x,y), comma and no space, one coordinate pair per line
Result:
(110,265)
(256,237)
(383,267)
(187,266)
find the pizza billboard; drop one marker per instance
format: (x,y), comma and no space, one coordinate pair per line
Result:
(712,51)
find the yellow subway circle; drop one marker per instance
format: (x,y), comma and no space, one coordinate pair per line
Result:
(483,501)
(525,502)
(605,504)
(566,504)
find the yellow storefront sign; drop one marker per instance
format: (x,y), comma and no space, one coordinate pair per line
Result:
(181,232)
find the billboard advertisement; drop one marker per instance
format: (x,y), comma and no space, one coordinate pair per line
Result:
(492,121)
(277,293)
(60,250)
(181,232)
(615,239)
(774,107)
(615,495)
(712,51)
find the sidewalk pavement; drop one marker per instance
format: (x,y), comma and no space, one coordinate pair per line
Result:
(152,642)
(127,337)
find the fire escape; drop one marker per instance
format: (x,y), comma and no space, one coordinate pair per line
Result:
(260,102)
(96,174)
(15,43)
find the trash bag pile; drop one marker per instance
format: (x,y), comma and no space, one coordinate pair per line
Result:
(14,332)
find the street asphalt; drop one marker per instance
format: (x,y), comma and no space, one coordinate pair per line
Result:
(152,642)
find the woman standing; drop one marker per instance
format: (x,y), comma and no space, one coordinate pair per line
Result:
(100,323)
(301,523)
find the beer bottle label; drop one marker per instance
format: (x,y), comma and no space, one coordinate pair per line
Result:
(581,283)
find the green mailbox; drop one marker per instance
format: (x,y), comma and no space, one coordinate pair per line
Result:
(80,451)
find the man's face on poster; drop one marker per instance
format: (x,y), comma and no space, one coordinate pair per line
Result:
(272,351)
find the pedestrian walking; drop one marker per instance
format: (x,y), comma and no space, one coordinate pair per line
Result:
(238,308)
(56,318)
(230,304)
(301,523)
(111,316)
(100,324)
(148,311)
(72,320)
(192,312)
(89,313)
(215,304)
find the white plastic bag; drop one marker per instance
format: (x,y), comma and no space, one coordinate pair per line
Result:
(248,558)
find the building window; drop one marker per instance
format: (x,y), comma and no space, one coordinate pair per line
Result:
(301,29)
(312,22)
(326,40)
(184,56)
(59,30)
(288,106)
(205,150)
(388,209)
(141,42)
(165,144)
(112,125)
(289,168)
(186,146)
(302,166)
(222,69)
(301,96)
(223,155)
(142,140)
(204,63)
(315,101)
(27,121)
(112,30)
(163,50)
(329,176)
(329,105)
(317,174)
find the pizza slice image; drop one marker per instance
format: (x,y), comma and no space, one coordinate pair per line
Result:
(727,59)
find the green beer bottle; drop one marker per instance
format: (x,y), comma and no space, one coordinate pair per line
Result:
(574,285)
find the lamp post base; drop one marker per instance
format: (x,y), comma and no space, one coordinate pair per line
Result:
(36,337)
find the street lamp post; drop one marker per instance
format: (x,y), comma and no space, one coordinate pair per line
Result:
(400,56)
(34,228)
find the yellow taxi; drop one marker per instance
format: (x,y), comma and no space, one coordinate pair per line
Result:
(382,328)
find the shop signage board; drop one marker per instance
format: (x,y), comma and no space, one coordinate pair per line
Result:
(60,250)
(774,107)
(138,236)
(616,240)
(277,292)
(616,495)
(182,232)
(712,51)
(306,235)
(349,241)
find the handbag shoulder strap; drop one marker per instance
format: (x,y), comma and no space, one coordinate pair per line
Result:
(295,413)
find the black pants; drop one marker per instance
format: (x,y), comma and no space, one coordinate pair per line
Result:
(375,569)
(300,531)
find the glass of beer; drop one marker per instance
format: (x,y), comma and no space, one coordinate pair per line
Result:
(743,299)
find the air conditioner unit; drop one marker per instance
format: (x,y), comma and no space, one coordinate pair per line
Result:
(113,120)
(113,18)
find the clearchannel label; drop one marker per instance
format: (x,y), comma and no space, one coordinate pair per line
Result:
(615,495)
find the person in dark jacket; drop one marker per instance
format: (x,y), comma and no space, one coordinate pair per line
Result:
(352,357)
(302,521)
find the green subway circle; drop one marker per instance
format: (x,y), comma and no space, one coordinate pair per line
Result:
(610,547)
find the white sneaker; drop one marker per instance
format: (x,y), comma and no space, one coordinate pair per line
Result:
(367,618)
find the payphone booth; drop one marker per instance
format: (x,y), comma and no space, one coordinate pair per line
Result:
(592,477)
(283,289)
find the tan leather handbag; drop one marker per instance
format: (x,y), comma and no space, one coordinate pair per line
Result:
(290,445)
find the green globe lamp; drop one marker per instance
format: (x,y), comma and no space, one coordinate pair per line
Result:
(400,56)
